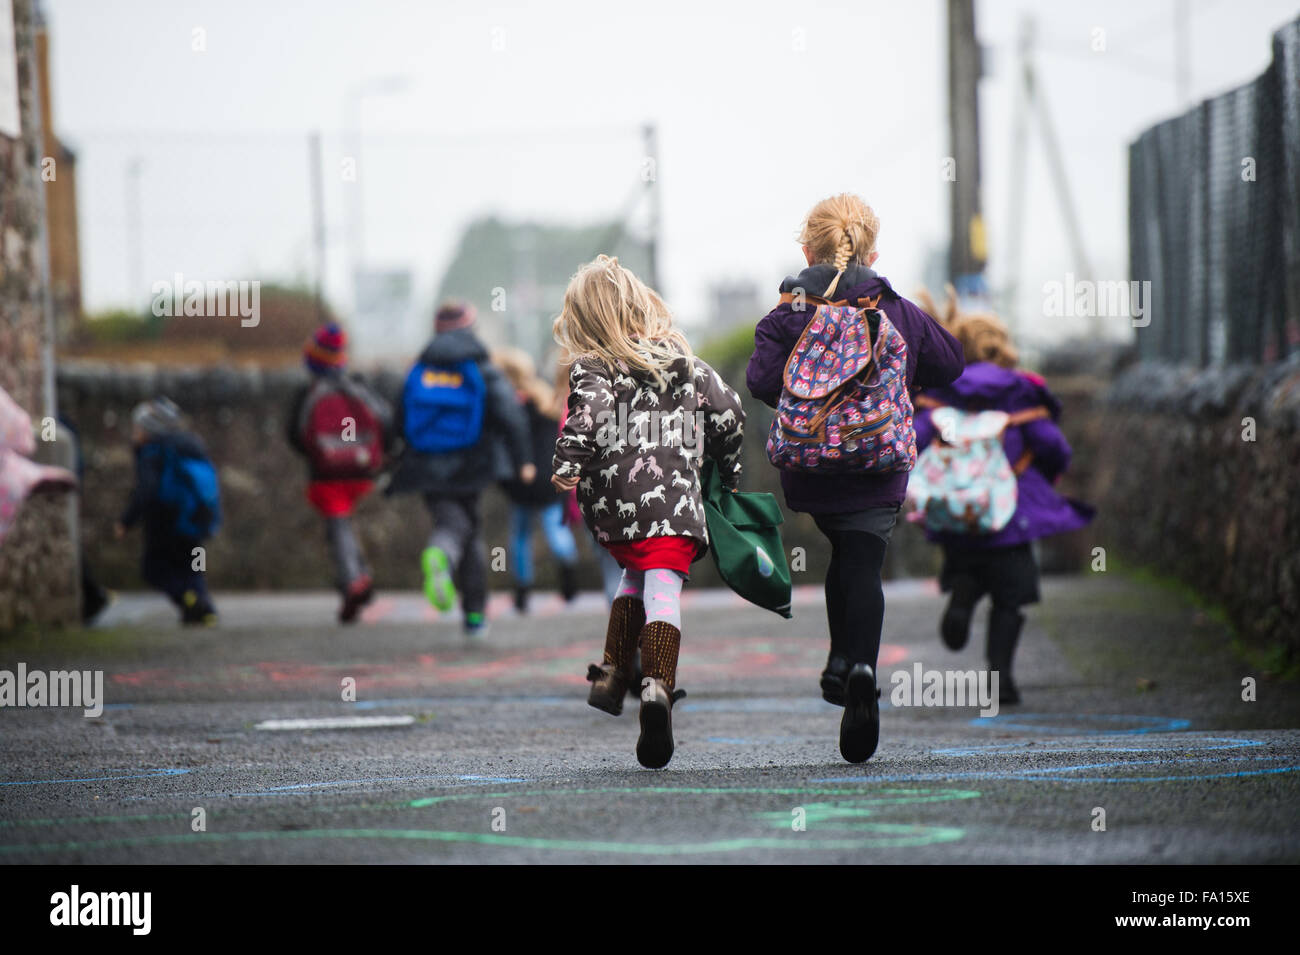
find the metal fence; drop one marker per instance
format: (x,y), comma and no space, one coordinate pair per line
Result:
(1214,222)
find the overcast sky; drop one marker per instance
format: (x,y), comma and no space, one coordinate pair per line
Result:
(533,110)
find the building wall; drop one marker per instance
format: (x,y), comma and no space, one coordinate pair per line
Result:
(38,559)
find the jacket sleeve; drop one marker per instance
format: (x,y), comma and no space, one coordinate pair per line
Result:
(724,425)
(589,385)
(148,469)
(939,359)
(1051,450)
(767,363)
(506,416)
(295,412)
(923,421)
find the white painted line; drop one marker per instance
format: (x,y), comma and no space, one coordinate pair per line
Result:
(336,723)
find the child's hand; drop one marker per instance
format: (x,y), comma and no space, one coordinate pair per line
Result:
(564,484)
(528,473)
(119,530)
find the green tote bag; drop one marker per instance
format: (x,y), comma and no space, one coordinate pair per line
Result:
(745,539)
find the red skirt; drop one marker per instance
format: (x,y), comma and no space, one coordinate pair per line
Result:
(655,553)
(337,498)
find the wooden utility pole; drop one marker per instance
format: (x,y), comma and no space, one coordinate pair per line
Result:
(968,251)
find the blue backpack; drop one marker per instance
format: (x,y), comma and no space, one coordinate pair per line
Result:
(190,495)
(443,406)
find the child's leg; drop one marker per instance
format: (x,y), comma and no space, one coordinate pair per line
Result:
(1013,582)
(834,596)
(521,545)
(961,578)
(610,680)
(861,559)
(348,563)
(661,638)
(660,643)
(560,542)
(472,568)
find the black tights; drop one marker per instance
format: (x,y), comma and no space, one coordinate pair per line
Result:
(855,600)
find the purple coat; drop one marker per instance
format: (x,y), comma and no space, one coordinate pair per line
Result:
(1040,511)
(933,358)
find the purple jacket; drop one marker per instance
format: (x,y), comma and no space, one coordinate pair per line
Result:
(1040,511)
(933,358)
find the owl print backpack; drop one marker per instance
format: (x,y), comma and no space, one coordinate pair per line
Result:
(844,404)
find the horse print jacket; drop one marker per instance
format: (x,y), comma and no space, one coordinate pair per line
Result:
(638,446)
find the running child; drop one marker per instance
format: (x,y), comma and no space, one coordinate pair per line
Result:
(996,558)
(836,471)
(342,427)
(177,501)
(535,501)
(643,415)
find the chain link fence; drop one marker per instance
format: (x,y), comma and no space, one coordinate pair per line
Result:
(1214,222)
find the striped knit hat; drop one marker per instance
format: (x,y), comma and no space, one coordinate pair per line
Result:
(453,315)
(326,350)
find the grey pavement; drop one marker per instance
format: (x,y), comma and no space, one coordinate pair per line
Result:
(487,752)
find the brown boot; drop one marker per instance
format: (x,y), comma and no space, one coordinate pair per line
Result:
(660,643)
(611,679)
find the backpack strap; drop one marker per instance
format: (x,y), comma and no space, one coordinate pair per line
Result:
(787,298)
(1026,415)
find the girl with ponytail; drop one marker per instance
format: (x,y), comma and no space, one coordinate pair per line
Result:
(855,511)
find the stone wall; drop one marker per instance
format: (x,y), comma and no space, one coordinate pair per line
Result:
(38,559)
(1197,473)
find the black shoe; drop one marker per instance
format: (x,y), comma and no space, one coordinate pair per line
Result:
(356,596)
(833,679)
(860,725)
(521,599)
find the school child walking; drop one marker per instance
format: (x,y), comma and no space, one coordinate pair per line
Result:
(455,405)
(987,486)
(342,427)
(177,501)
(535,502)
(862,349)
(644,413)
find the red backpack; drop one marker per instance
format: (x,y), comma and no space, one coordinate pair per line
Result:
(341,431)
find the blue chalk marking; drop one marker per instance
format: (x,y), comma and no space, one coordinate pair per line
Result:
(1178,745)
(1031,722)
(1054,774)
(96,779)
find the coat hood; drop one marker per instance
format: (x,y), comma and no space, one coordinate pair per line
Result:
(459,344)
(856,282)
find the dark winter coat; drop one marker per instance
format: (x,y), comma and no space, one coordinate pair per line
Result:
(1040,511)
(642,479)
(143,506)
(543,431)
(934,358)
(471,469)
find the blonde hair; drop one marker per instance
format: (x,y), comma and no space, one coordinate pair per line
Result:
(611,314)
(520,369)
(982,335)
(840,230)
